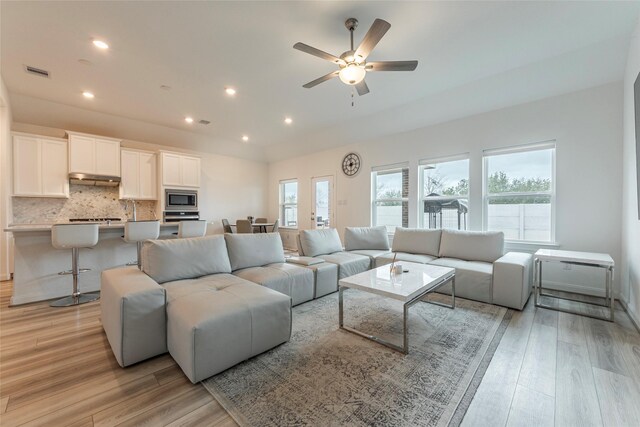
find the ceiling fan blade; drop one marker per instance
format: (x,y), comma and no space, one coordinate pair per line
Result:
(362,88)
(321,79)
(373,36)
(391,66)
(317,52)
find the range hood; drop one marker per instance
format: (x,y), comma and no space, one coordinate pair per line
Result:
(97,180)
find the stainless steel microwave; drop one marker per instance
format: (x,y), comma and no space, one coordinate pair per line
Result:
(180,200)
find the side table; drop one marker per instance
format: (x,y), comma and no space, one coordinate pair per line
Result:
(588,259)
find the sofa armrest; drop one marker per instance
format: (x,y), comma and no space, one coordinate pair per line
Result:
(512,279)
(133,308)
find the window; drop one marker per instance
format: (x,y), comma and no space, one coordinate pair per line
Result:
(519,192)
(390,197)
(444,193)
(289,203)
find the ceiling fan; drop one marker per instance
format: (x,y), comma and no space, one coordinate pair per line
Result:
(353,63)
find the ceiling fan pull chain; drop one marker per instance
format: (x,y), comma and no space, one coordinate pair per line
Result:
(352,97)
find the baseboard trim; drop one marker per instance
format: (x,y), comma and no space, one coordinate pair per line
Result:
(631,314)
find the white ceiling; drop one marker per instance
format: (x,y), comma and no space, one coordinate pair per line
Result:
(473,57)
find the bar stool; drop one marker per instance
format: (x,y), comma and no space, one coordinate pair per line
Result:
(192,228)
(139,231)
(74,237)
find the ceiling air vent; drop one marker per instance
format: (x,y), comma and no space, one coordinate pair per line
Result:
(204,122)
(36,71)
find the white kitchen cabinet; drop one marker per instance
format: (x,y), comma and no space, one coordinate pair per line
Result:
(138,175)
(179,170)
(39,166)
(96,155)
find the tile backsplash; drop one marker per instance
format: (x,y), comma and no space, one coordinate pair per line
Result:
(84,202)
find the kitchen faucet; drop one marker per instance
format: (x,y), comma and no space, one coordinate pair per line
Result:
(126,205)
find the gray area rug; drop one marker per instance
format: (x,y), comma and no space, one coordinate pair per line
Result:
(325,376)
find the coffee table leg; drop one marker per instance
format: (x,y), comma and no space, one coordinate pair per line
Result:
(405,343)
(453,292)
(340,307)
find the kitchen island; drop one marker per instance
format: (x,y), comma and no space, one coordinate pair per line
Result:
(37,263)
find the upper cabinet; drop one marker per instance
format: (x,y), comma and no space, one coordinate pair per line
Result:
(39,166)
(97,155)
(139,175)
(179,170)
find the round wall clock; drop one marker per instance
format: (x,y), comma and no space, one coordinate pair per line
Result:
(351,164)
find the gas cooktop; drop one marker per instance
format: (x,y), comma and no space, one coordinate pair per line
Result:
(95,219)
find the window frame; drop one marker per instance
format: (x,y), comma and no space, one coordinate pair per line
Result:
(422,164)
(486,197)
(282,205)
(388,169)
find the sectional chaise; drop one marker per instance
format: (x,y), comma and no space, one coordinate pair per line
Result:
(215,301)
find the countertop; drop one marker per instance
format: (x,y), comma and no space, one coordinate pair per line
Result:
(21,228)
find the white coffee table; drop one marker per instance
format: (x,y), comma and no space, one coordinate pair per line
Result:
(409,287)
(589,259)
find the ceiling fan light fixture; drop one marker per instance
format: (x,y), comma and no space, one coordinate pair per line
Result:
(352,74)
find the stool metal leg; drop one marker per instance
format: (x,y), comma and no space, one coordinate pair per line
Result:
(139,244)
(76,297)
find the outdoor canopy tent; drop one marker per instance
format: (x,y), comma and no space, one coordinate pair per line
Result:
(434,208)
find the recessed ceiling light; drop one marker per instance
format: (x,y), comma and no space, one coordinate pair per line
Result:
(230,91)
(84,62)
(188,119)
(245,138)
(100,44)
(87,94)
(288,120)
(165,87)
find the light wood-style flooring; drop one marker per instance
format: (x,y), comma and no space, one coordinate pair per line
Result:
(57,369)
(553,368)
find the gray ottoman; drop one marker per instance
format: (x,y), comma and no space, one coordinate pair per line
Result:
(210,331)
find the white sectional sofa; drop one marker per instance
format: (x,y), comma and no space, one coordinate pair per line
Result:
(192,298)
(215,301)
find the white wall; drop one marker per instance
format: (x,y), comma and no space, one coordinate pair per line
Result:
(586,125)
(5,180)
(230,187)
(630,271)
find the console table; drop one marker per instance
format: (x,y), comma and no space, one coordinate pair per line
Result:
(588,259)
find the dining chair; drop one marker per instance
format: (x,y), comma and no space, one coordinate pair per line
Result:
(261,220)
(226,226)
(243,226)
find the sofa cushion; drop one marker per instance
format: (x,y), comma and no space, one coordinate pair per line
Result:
(372,254)
(211,283)
(175,259)
(366,238)
(417,241)
(403,256)
(320,242)
(254,250)
(474,279)
(348,263)
(291,280)
(485,246)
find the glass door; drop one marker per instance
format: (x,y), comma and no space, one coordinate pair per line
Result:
(322,212)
